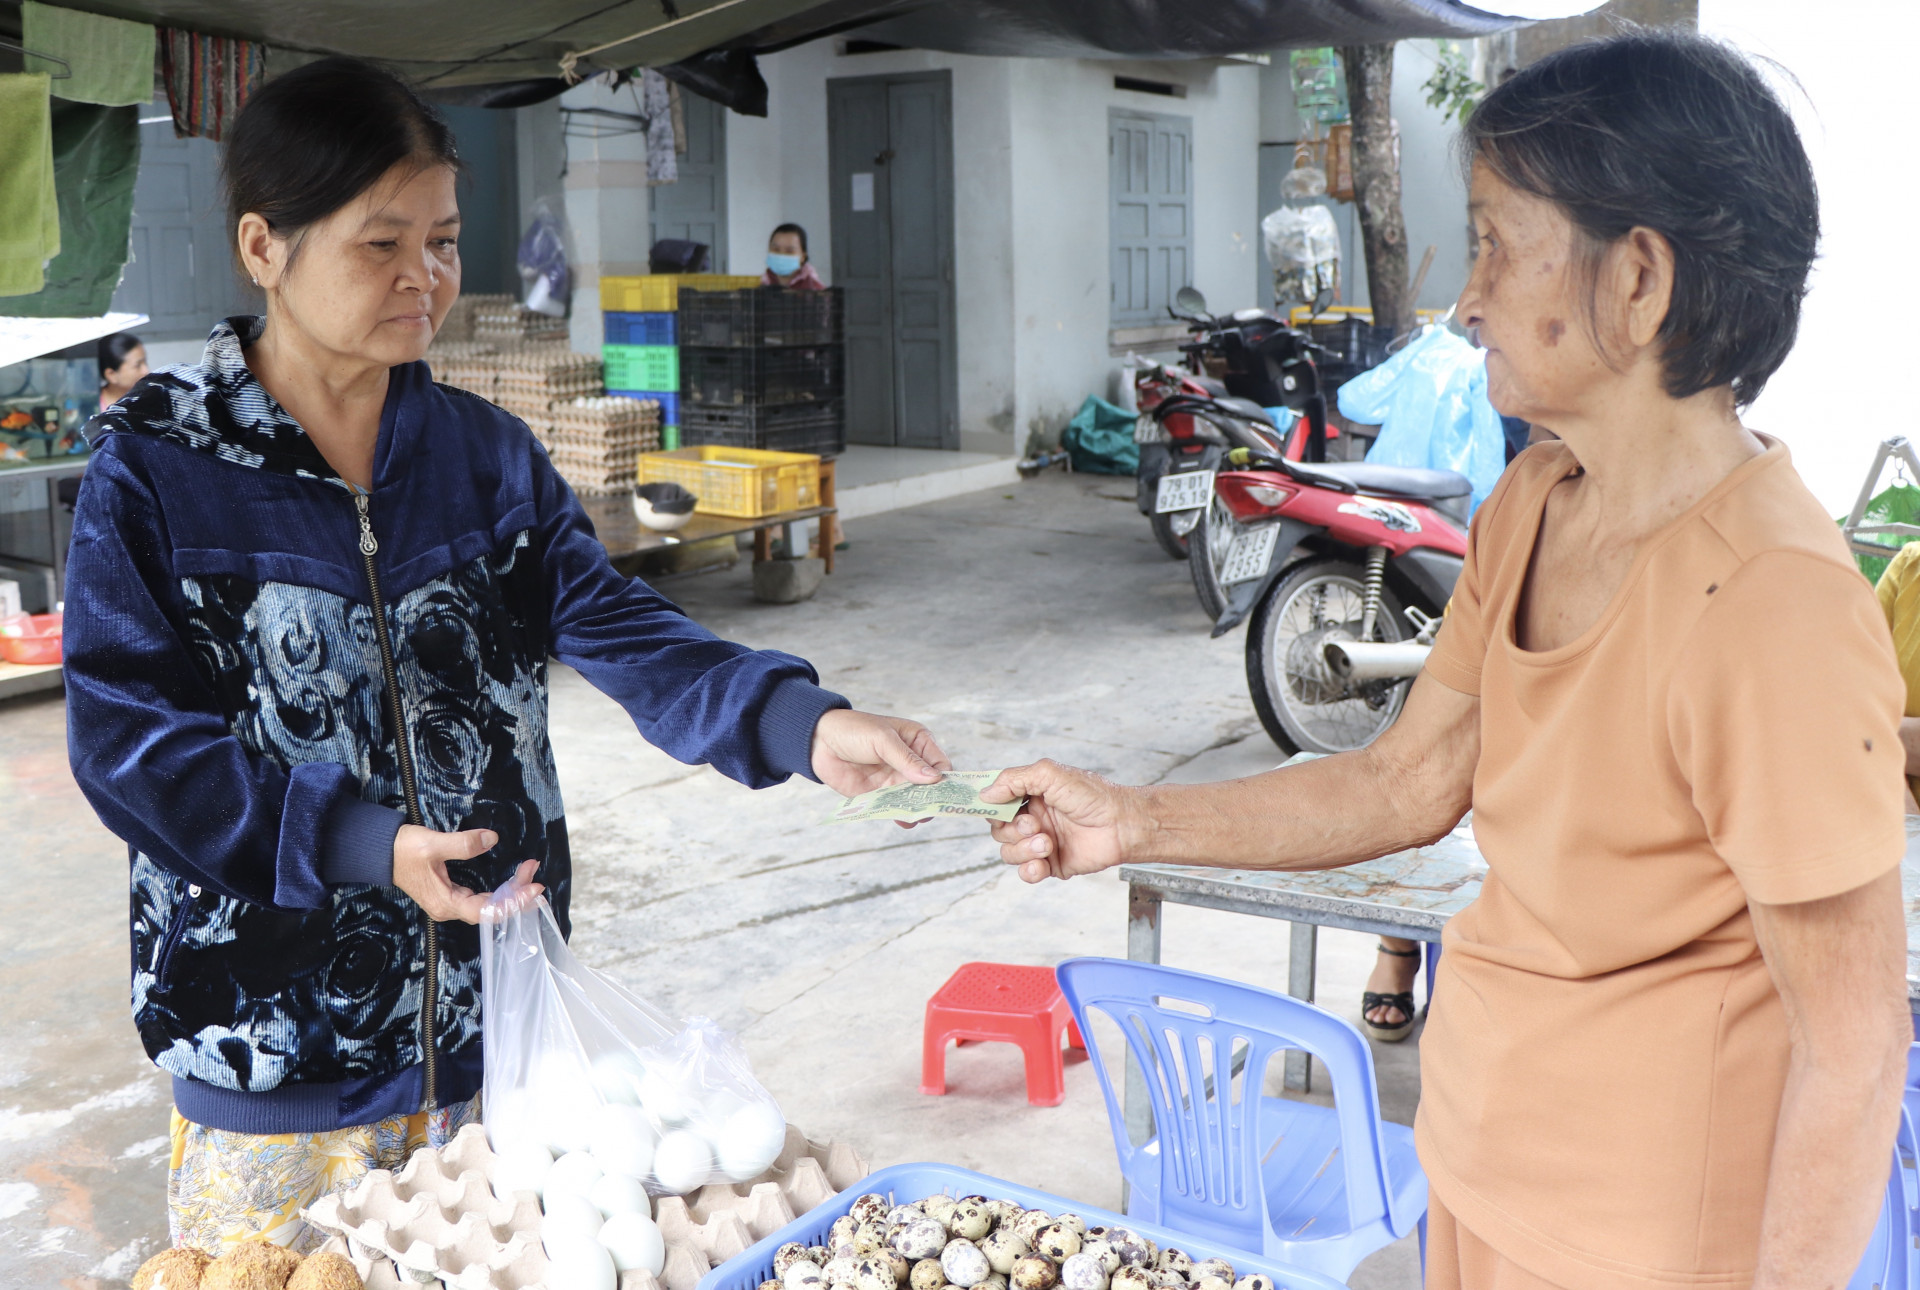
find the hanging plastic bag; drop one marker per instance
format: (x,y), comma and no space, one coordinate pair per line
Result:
(1303,246)
(543,259)
(576,1064)
(1430,402)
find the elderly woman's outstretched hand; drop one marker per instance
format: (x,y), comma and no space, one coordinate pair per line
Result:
(1074,823)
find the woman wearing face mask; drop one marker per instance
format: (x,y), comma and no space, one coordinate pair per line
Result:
(787,262)
(1669,1037)
(310,603)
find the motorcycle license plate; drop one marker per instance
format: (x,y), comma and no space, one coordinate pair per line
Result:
(1251,552)
(1188,491)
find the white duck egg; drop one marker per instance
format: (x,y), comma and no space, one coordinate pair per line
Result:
(573,1174)
(569,1219)
(582,1265)
(616,1076)
(682,1162)
(521,1166)
(664,1098)
(751,1139)
(635,1242)
(619,1194)
(623,1140)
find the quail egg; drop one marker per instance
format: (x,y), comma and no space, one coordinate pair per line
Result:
(1028,1225)
(971,1219)
(901,1265)
(1033,1273)
(1214,1268)
(996,1281)
(1254,1281)
(1130,1276)
(841,1233)
(786,1256)
(964,1263)
(804,1274)
(1172,1260)
(1212,1283)
(901,1215)
(869,1237)
(1083,1271)
(870,1208)
(1074,1221)
(873,1272)
(1102,1249)
(927,1274)
(820,1254)
(1004,1211)
(770,1285)
(921,1238)
(939,1209)
(839,1270)
(1003,1249)
(1134,1249)
(1165,1279)
(1057,1241)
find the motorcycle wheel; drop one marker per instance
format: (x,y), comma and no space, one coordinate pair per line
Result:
(1172,543)
(1303,706)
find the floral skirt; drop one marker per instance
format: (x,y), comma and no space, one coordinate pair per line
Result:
(227,1187)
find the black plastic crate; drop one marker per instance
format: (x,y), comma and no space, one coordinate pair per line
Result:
(796,427)
(760,316)
(763,376)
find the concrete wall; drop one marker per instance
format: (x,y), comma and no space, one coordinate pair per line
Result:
(606,198)
(1846,385)
(1031,203)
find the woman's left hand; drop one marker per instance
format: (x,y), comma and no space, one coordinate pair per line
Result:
(857,752)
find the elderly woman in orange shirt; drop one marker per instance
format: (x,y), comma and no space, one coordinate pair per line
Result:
(1668,1042)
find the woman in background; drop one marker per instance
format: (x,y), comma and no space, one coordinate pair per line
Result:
(123,361)
(787,262)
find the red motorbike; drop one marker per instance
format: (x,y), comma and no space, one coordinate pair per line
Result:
(1345,569)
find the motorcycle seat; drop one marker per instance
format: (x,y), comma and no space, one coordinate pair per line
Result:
(1397,481)
(1245,408)
(1213,385)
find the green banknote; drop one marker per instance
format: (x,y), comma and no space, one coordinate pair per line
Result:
(957,794)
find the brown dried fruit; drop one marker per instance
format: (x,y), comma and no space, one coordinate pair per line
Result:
(325,1272)
(251,1265)
(176,1269)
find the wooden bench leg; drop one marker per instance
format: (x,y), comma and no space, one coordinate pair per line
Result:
(762,545)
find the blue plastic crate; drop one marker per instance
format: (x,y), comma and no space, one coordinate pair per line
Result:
(669,402)
(903,1183)
(658,328)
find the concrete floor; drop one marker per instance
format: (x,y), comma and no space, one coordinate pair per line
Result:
(1037,619)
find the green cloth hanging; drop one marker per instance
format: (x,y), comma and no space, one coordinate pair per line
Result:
(1896,504)
(96,158)
(29,215)
(111,59)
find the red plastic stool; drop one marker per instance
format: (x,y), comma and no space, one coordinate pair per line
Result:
(1000,1001)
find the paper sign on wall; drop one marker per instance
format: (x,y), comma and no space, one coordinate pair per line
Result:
(863,191)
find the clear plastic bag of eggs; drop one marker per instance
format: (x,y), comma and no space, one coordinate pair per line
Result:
(582,1073)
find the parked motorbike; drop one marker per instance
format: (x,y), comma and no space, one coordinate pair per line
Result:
(1345,569)
(1192,414)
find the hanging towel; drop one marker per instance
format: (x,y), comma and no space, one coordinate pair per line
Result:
(208,78)
(29,212)
(111,59)
(96,157)
(656,104)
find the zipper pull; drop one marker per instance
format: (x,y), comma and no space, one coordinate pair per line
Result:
(367,544)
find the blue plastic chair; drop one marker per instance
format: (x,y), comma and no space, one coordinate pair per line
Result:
(1892,1260)
(1315,1187)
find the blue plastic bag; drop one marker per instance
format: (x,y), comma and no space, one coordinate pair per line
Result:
(1099,439)
(1430,402)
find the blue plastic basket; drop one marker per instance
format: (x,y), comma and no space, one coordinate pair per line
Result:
(669,402)
(656,328)
(903,1183)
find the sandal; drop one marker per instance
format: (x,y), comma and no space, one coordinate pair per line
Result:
(1402,1002)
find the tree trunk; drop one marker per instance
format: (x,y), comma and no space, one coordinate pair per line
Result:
(1376,182)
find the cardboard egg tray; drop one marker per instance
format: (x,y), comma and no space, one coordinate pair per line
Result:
(439,1219)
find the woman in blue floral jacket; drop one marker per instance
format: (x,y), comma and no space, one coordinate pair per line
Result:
(311,600)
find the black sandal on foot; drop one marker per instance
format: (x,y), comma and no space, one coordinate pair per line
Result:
(1402,1002)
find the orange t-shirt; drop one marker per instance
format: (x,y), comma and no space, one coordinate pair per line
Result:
(1603,1067)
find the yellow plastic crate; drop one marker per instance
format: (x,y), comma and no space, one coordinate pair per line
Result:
(659,292)
(745,483)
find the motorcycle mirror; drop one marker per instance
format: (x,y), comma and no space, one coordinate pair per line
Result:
(1190,302)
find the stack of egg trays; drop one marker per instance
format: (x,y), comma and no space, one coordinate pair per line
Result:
(905,1184)
(439,1219)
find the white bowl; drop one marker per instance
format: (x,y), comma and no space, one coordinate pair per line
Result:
(658,521)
